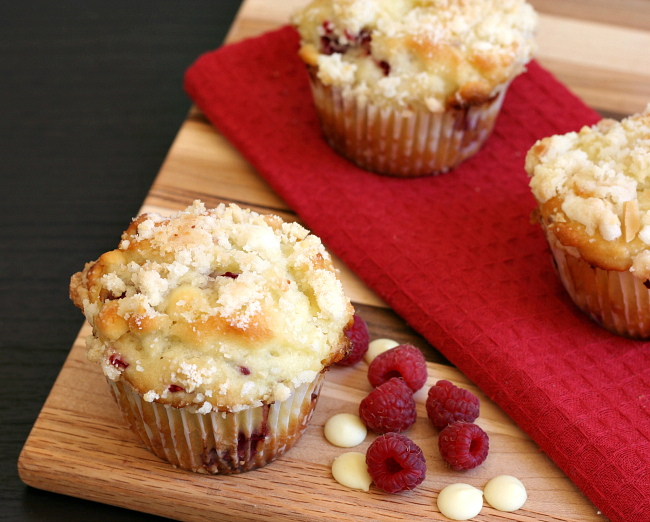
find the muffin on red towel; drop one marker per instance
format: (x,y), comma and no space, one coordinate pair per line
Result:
(410,88)
(594,207)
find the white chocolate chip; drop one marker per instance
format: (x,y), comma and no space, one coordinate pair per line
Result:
(379,346)
(345,430)
(350,470)
(505,493)
(460,501)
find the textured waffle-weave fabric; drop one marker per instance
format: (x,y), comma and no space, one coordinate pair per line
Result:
(457,257)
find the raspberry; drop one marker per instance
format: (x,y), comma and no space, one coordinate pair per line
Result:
(385,66)
(389,407)
(395,463)
(117,361)
(358,333)
(463,445)
(403,361)
(447,403)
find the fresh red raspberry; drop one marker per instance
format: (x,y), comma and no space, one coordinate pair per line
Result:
(395,463)
(447,403)
(389,407)
(404,361)
(358,333)
(463,445)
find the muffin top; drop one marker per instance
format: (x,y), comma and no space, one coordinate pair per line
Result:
(417,53)
(221,309)
(593,190)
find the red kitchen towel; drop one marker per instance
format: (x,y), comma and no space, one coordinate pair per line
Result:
(457,257)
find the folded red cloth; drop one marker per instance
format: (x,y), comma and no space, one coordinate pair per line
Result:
(457,257)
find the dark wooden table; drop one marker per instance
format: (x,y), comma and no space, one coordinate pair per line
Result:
(91,98)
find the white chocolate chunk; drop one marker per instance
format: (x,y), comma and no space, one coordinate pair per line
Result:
(505,493)
(378,346)
(345,430)
(350,470)
(460,501)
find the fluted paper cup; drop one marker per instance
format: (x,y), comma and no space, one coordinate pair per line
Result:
(218,442)
(618,301)
(400,142)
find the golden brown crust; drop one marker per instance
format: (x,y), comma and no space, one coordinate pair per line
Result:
(472,94)
(308,54)
(79,287)
(590,186)
(607,255)
(403,52)
(222,309)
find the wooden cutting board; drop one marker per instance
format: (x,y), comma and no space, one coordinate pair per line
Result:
(80,446)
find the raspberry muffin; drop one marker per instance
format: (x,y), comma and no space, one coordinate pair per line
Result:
(412,87)
(214,329)
(593,190)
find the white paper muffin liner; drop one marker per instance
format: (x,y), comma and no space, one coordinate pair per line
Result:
(400,142)
(218,443)
(618,301)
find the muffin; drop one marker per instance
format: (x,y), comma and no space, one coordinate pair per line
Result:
(214,329)
(593,191)
(412,87)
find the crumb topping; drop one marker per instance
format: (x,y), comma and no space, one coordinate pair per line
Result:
(406,52)
(593,187)
(224,304)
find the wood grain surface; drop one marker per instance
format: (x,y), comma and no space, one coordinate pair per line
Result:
(79,445)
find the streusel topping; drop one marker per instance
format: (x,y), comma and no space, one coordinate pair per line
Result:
(593,187)
(224,309)
(414,52)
